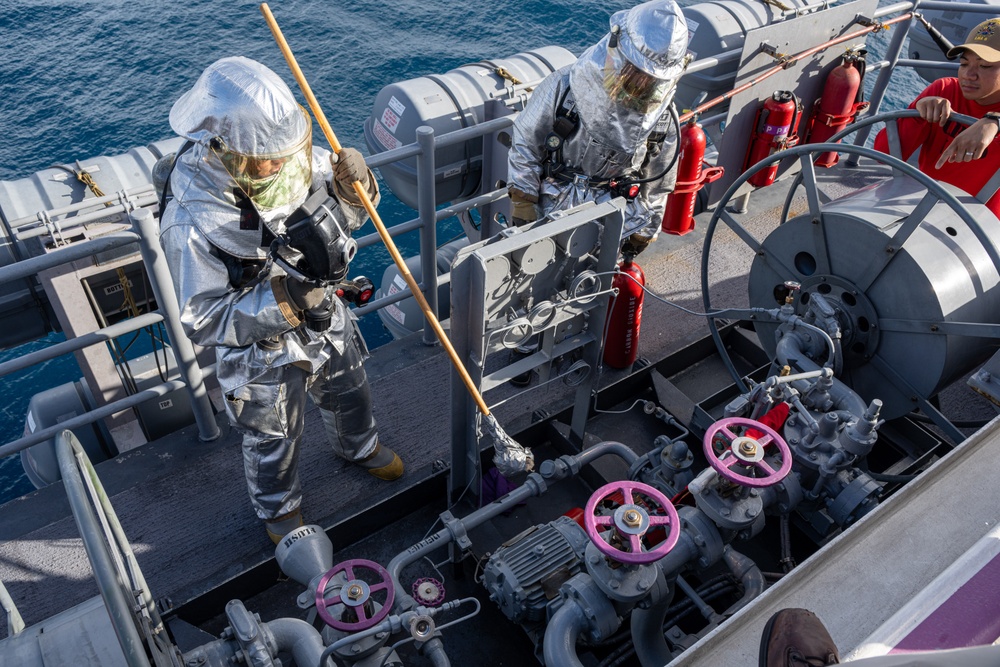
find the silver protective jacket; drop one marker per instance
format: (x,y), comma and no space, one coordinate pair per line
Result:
(252,326)
(233,298)
(611,139)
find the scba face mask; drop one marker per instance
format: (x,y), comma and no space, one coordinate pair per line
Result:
(270,180)
(631,87)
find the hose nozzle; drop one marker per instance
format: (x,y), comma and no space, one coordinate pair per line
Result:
(938,38)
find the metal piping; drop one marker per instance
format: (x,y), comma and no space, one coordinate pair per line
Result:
(789,351)
(396,623)
(298,637)
(647,624)
(162,286)
(749,575)
(608,447)
(433,649)
(559,645)
(535,485)
(647,633)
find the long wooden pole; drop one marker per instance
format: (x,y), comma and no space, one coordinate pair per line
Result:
(376,219)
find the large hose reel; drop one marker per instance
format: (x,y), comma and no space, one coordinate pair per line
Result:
(910,265)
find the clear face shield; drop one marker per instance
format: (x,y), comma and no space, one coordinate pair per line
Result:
(630,86)
(271,180)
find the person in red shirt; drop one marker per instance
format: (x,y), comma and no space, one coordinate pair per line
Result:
(950,152)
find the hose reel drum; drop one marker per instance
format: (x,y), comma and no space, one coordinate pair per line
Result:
(909,265)
(940,273)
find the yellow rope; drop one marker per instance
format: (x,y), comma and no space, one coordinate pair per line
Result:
(780,5)
(88,180)
(128,303)
(501,72)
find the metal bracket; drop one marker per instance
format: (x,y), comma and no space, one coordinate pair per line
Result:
(457,530)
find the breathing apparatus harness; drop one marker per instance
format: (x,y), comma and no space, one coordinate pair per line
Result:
(566,123)
(314,248)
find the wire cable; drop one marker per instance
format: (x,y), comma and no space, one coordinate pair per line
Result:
(617,412)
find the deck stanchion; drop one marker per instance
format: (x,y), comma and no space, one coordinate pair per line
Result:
(159,275)
(426,203)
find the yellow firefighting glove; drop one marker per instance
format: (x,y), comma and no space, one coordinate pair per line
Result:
(524,207)
(349,166)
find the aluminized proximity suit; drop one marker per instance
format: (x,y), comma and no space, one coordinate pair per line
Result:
(612,136)
(216,232)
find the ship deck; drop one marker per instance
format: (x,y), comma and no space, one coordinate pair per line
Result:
(183,503)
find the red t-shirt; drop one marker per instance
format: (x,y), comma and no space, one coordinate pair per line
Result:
(932,139)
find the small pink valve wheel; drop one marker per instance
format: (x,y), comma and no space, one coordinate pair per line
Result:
(428,591)
(742,462)
(619,536)
(354,594)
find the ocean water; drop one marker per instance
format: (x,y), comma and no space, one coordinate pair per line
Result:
(82,79)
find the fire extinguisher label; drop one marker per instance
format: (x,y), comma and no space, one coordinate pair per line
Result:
(777,130)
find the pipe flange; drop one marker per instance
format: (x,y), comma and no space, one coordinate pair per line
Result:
(600,613)
(421,627)
(857,315)
(622,584)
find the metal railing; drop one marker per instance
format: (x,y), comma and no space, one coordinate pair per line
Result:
(146,235)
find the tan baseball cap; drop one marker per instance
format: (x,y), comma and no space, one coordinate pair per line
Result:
(984,41)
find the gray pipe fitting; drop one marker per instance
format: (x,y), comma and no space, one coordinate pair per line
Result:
(584,609)
(297,637)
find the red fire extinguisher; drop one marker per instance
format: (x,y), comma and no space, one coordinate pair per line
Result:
(691,177)
(775,129)
(840,103)
(621,345)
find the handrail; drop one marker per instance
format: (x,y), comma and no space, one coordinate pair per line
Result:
(15,624)
(83,204)
(65,255)
(110,581)
(102,335)
(204,414)
(67,224)
(91,416)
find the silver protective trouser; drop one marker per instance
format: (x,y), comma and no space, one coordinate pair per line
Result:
(269,412)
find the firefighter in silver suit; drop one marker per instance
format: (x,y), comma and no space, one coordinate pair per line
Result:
(601,127)
(247,165)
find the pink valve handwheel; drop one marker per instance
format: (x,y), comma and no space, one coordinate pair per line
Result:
(631,521)
(354,594)
(746,451)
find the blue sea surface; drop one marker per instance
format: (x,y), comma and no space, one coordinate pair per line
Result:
(82,79)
